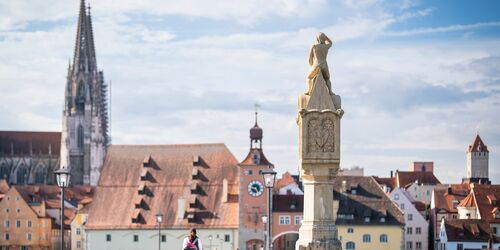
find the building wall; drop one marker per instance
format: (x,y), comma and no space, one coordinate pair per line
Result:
(421,192)
(148,239)
(13,208)
(400,196)
(477,164)
(78,235)
(251,208)
(394,234)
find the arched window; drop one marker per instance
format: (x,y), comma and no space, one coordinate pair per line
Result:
(383,238)
(367,238)
(4,172)
(22,175)
(80,136)
(350,245)
(40,176)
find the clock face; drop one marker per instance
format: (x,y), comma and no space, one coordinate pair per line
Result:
(255,188)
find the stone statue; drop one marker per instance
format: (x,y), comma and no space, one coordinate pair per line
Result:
(317,61)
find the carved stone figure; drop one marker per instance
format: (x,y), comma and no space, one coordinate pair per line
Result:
(321,136)
(317,61)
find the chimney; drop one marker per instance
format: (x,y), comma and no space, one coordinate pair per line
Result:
(392,174)
(224,190)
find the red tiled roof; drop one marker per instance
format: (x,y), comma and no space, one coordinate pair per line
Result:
(404,178)
(387,181)
(469,230)
(484,204)
(170,179)
(420,206)
(444,196)
(469,201)
(285,180)
(24,142)
(4,186)
(478,145)
(248,161)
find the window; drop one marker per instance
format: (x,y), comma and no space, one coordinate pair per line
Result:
(467,215)
(24,248)
(367,238)
(28,236)
(495,230)
(163,238)
(350,245)
(383,238)
(108,237)
(418,245)
(382,219)
(80,136)
(18,210)
(418,230)
(350,230)
(409,230)
(284,220)
(7,210)
(29,223)
(78,244)
(78,231)
(18,223)
(136,238)
(409,245)
(460,246)
(402,206)
(298,220)
(227,238)
(6,223)
(6,236)
(396,196)
(367,219)
(410,217)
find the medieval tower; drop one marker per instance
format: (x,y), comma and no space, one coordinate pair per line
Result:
(477,162)
(85,119)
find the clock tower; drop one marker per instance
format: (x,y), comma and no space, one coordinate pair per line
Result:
(252,194)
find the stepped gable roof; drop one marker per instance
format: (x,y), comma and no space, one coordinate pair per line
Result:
(169,181)
(486,197)
(469,230)
(405,178)
(478,145)
(26,142)
(368,200)
(288,203)
(248,161)
(445,195)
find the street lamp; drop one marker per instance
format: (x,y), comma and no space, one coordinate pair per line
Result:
(210,237)
(269,177)
(264,221)
(63,176)
(159,219)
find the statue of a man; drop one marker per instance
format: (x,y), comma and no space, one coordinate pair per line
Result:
(317,60)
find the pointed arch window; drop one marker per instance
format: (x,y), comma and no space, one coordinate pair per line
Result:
(79,138)
(22,175)
(4,172)
(40,176)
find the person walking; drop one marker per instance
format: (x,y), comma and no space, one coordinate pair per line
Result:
(192,242)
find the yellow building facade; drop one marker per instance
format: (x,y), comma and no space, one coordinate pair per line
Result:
(366,237)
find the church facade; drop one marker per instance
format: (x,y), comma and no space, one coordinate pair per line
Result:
(28,157)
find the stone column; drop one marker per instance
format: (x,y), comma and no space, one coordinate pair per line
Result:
(319,157)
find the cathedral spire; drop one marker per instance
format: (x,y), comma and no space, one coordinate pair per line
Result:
(84,56)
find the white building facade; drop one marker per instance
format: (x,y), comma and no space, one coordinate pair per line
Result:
(416,226)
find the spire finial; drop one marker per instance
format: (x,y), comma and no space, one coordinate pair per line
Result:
(257,107)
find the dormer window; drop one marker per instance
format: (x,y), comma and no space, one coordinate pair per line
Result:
(382,219)
(367,219)
(354,191)
(455,203)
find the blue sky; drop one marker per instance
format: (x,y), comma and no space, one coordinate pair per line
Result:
(418,79)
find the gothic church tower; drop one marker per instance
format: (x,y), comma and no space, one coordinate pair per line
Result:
(84,137)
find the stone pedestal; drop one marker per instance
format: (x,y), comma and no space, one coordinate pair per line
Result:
(319,155)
